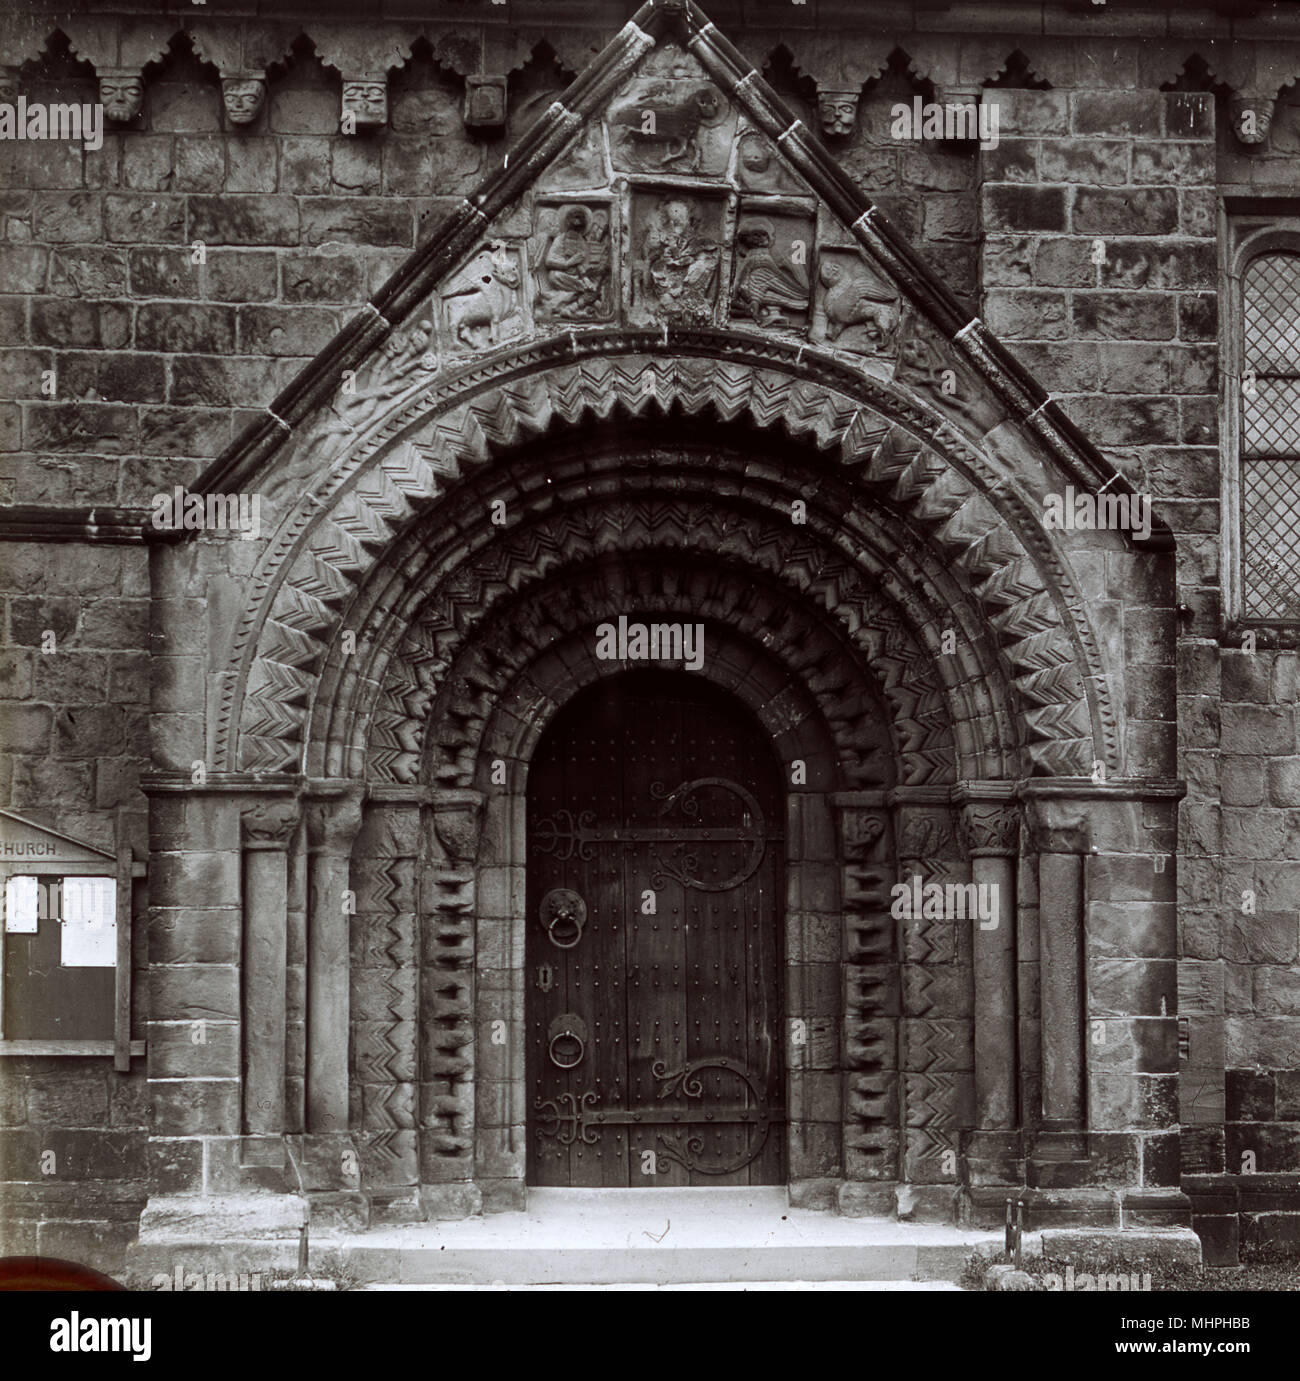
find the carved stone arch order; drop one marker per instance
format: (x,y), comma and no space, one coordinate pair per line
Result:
(581,512)
(976,512)
(806,673)
(888,634)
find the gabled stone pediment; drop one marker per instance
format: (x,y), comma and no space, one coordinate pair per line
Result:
(669,190)
(26,846)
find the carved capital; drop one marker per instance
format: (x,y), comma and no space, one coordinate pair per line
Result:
(925,832)
(1251,117)
(1059,826)
(838,111)
(243,98)
(333,821)
(457,817)
(485,102)
(269,824)
(860,830)
(991,830)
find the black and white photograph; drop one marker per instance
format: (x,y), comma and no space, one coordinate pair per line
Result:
(649,649)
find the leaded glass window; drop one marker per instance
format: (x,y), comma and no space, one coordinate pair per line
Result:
(1270,438)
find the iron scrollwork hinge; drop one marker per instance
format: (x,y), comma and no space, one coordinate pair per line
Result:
(571,1118)
(684,866)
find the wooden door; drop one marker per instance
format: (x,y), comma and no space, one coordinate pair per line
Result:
(653,950)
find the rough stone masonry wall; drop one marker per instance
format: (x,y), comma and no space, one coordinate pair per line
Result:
(1128,343)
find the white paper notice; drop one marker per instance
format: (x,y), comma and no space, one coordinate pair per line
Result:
(21,905)
(89,923)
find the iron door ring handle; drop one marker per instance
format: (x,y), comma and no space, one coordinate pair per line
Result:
(561,944)
(582,1049)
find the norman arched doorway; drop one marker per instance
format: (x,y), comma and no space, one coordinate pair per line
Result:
(654,962)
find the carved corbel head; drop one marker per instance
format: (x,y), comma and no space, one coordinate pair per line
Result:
(838,111)
(121,93)
(1251,117)
(485,102)
(365,103)
(243,97)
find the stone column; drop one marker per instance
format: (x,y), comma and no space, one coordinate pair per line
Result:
(1060,931)
(332,823)
(992,829)
(268,827)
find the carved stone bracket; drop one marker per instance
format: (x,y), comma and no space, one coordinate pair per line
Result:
(364,103)
(485,102)
(121,93)
(838,111)
(1251,118)
(243,95)
(269,824)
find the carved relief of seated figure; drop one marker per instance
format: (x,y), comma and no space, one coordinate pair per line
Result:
(575,266)
(681,264)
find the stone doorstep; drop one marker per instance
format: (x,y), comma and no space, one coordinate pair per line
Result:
(646,1237)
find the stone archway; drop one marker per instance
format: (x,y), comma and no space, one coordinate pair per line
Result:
(861,518)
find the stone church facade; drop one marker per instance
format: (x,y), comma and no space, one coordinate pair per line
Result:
(716,347)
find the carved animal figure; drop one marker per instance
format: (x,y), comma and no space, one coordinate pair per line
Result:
(857,300)
(475,314)
(768,283)
(658,134)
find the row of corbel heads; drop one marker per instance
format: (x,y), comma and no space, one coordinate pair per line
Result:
(363,104)
(364,55)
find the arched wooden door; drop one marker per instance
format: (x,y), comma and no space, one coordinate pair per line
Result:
(653,951)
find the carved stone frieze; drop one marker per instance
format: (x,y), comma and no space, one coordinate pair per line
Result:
(404,358)
(671,127)
(759,168)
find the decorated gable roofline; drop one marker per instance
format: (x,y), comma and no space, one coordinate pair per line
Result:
(655,23)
